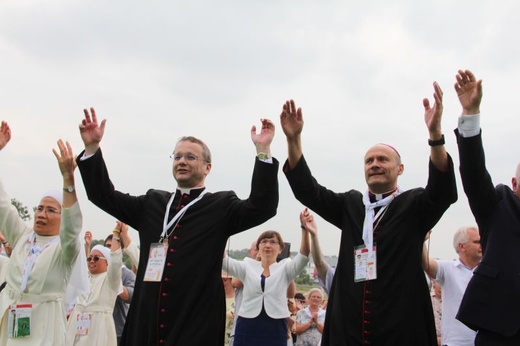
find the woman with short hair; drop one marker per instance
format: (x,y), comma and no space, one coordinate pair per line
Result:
(263,312)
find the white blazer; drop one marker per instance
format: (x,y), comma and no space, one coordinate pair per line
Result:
(274,297)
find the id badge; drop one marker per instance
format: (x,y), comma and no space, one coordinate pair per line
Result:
(19,321)
(83,322)
(365,264)
(156,260)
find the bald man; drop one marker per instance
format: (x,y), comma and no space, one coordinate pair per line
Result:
(379,294)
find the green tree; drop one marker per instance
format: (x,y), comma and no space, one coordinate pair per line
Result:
(303,278)
(23,211)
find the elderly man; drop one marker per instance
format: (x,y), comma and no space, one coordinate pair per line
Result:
(31,305)
(379,294)
(491,304)
(179,297)
(453,277)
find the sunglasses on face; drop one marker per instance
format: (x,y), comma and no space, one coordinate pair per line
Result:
(95,258)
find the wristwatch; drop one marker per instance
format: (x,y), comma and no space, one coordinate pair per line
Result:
(69,189)
(262,156)
(437,142)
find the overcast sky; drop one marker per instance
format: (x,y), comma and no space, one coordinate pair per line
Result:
(158,70)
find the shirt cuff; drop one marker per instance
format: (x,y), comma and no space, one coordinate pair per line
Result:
(267,160)
(469,125)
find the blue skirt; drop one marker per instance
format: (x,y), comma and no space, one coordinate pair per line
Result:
(260,331)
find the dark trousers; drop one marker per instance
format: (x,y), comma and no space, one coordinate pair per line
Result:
(487,338)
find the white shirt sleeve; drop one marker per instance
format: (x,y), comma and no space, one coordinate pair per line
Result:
(469,125)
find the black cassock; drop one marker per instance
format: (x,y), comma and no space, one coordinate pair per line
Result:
(188,306)
(394,309)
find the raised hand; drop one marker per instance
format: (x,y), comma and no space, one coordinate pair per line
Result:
(307,221)
(262,140)
(91,131)
(291,119)
(88,238)
(5,134)
(469,91)
(66,159)
(123,227)
(433,115)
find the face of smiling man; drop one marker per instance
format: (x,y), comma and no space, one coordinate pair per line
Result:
(382,167)
(189,166)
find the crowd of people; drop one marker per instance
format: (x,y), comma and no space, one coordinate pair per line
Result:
(55,291)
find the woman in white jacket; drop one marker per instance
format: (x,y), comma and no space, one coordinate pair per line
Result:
(263,312)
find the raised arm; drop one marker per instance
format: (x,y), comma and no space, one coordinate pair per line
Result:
(88,242)
(130,247)
(91,131)
(116,238)
(429,264)
(305,218)
(11,224)
(432,118)
(114,267)
(292,124)
(67,164)
(122,229)
(71,218)
(309,224)
(262,140)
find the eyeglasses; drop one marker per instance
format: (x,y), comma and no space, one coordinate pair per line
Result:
(48,210)
(188,157)
(95,258)
(270,241)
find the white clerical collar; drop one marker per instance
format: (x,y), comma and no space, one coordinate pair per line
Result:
(187,190)
(379,196)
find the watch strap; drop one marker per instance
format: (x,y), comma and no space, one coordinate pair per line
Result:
(437,142)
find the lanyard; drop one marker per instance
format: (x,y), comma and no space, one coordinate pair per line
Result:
(34,252)
(166,224)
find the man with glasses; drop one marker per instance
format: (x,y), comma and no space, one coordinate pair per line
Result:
(379,294)
(32,302)
(186,232)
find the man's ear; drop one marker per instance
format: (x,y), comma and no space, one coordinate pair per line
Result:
(208,169)
(400,169)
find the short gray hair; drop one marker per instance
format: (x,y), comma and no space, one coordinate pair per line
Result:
(461,236)
(315,289)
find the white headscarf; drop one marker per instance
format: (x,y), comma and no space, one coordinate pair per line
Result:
(57,195)
(104,250)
